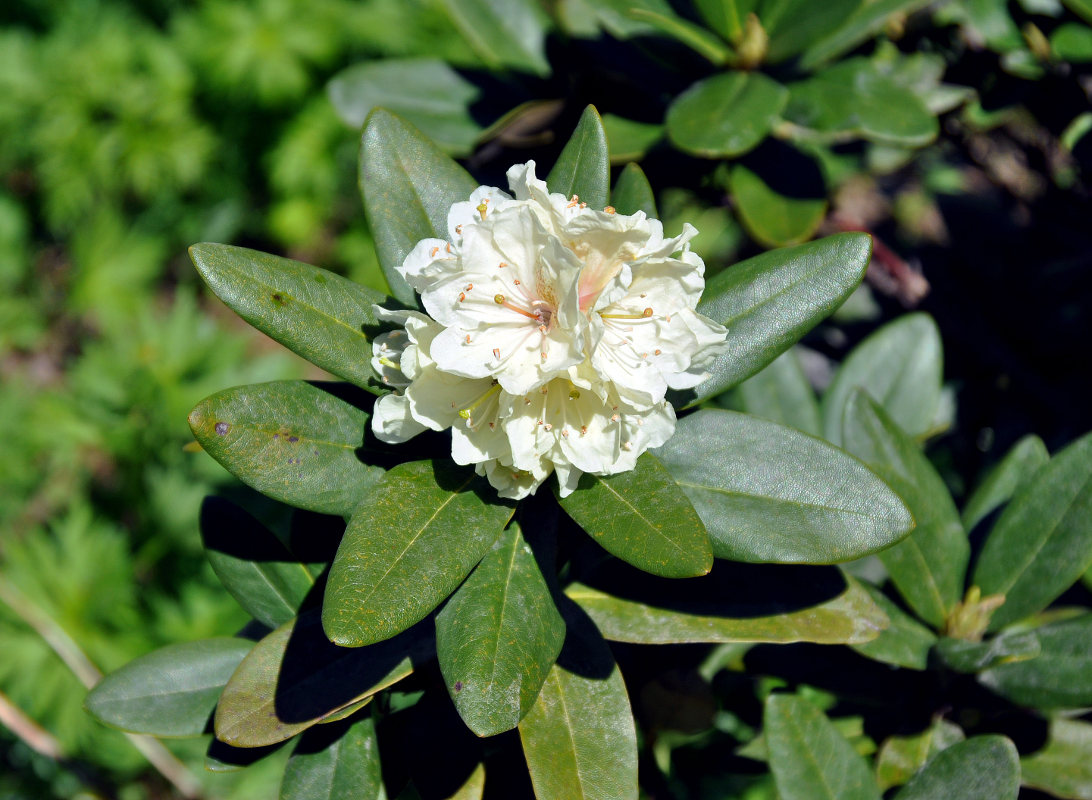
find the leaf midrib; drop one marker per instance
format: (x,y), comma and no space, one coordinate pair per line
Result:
(777,500)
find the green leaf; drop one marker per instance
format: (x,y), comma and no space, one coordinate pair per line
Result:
(774,218)
(336,762)
(252,564)
(905,642)
(409,186)
(295,441)
(498,636)
(765,492)
(1072,42)
(854,99)
(781,393)
(968,657)
(770,301)
(295,678)
(1063,767)
(809,759)
(629,139)
(632,192)
(687,33)
(643,517)
(929,565)
(583,168)
(725,115)
(579,737)
(425,526)
(1082,8)
(314,313)
(1010,474)
(504,33)
(722,16)
(980,768)
(827,610)
(902,756)
(169,692)
(793,25)
(1061,677)
(428,93)
(863,24)
(1042,542)
(900,366)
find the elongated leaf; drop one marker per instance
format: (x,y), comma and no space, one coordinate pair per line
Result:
(427,92)
(930,564)
(409,186)
(723,16)
(900,757)
(725,115)
(686,32)
(793,25)
(781,393)
(254,566)
(632,192)
(765,492)
(980,768)
(1013,471)
(295,678)
(295,441)
(335,762)
(579,738)
(905,642)
(1061,677)
(809,759)
(1063,767)
(169,692)
(1010,646)
(644,518)
(314,313)
(583,168)
(770,301)
(498,636)
(628,139)
(854,99)
(900,367)
(864,23)
(1042,542)
(848,617)
(425,526)
(1082,8)
(775,218)
(504,33)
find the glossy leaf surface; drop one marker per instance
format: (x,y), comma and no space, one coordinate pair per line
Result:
(764,491)
(1042,542)
(409,185)
(1063,767)
(900,366)
(168,692)
(583,168)
(781,393)
(980,768)
(1013,471)
(770,301)
(809,758)
(314,313)
(425,526)
(579,737)
(643,517)
(905,642)
(428,93)
(253,564)
(863,23)
(498,637)
(774,218)
(1061,677)
(900,757)
(295,441)
(504,33)
(632,192)
(334,762)
(930,564)
(725,115)
(295,678)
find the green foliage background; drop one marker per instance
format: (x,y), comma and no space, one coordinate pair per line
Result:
(130,129)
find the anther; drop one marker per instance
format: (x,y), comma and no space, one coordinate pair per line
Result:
(498,299)
(544,390)
(543,356)
(647,312)
(468,338)
(483,207)
(516,281)
(574,394)
(565,432)
(469,286)
(609,209)
(496,352)
(433,253)
(627,446)
(657,352)
(547,427)
(462,296)
(502,265)
(583,430)
(459,229)
(614,417)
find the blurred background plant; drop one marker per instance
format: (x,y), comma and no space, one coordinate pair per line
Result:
(130,129)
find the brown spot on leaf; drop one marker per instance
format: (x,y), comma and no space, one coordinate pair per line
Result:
(222,428)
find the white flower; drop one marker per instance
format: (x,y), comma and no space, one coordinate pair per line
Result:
(553,333)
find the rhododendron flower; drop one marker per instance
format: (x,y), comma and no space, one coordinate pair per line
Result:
(553,333)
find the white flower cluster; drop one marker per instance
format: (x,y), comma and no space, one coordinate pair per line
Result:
(553,332)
